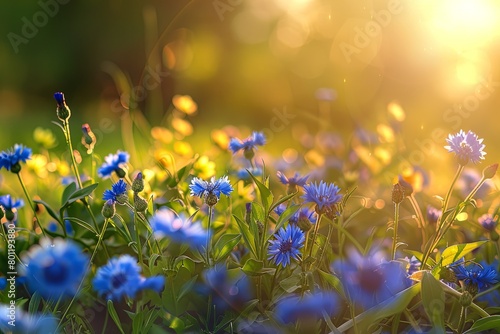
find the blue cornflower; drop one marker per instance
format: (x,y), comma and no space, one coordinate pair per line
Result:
(466,146)
(287,245)
(114,163)
(62,110)
(433,214)
(243,173)
(367,283)
(310,307)
(248,145)
(25,322)
(8,204)
(210,190)
(121,277)
(488,222)
(11,159)
(60,100)
(230,288)
(476,276)
(54,226)
(293,182)
(3,283)
(325,195)
(118,192)
(178,228)
(55,268)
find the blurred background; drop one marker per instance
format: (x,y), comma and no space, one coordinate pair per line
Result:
(408,72)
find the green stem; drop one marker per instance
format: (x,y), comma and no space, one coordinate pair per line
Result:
(395,232)
(461,322)
(315,232)
(67,135)
(327,242)
(420,218)
(25,190)
(210,211)
(138,239)
(450,190)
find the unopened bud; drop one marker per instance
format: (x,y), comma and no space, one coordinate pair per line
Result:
(138,183)
(140,204)
(108,209)
(10,215)
(398,193)
(490,171)
(89,139)
(465,299)
(407,187)
(62,110)
(120,172)
(248,153)
(15,168)
(471,288)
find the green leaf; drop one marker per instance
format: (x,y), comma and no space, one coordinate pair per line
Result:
(290,284)
(225,245)
(433,301)
(286,215)
(455,252)
(282,200)
(265,194)
(420,256)
(247,236)
(50,211)
(83,224)
(332,280)
(186,288)
(256,268)
(80,194)
(34,302)
(491,322)
(71,188)
(114,316)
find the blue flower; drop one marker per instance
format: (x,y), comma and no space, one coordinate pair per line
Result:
(59,97)
(367,283)
(114,163)
(248,145)
(292,182)
(121,277)
(117,193)
(10,159)
(243,173)
(55,269)
(324,195)
(54,226)
(310,307)
(468,181)
(25,322)
(178,228)
(210,190)
(230,288)
(476,275)
(3,283)
(433,214)
(8,204)
(287,245)
(466,146)
(488,222)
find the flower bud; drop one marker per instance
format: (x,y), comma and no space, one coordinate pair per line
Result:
(62,110)
(211,199)
(138,183)
(248,153)
(108,209)
(398,193)
(15,168)
(465,299)
(10,215)
(490,171)
(120,172)
(89,139)
(140,204)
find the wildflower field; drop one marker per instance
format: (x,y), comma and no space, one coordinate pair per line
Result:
(315,222)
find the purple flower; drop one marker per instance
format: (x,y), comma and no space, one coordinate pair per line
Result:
(294,181)
(248,145)
(324,195)
(286,246)
(113,163)
(466,146)
(117,193)
(10,159)
(488,222)
(121,277)
(433,214)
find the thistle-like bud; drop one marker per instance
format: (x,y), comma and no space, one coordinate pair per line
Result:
(62,110)
(108,209)
(15,168)
(211,199)
(490,171)
(398,193)
(332,211)
(10,215)
(471,288)
(140,204)
(120,172)
(465,299)
(138,183)
(248,153)
(89,139)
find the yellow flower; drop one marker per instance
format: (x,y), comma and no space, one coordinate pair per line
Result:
(181,126)
(204,168)
(185,104)
(44,137)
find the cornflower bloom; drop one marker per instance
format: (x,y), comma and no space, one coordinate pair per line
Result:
(11,159)
(466,146)
(179,229)
(286,246)
(25,322)
(292,182)
(210,190)
(476,277)
(114,163)
(9,206)
(121,277)
(55,268)
(248,145)
(310,307)
(118,193)
(325,195)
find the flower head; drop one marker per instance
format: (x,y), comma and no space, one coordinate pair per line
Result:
(210,190)
(466,146)
(476,276)
(324,195)
(179,229)
(368,283)
(243,174)
(488,222)
(114,163)
(8,204)
(25,322)
(118,192)
(229,288)
(62,110)
(248,145)
(11,159)
(433,214)
(121,277)
(286,246)
(55,268)
(310,307)
(293,182)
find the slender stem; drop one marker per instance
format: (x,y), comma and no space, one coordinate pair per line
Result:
(327,242)
(420,218)
(92,166)
(30,202)
(210,211)
(461,322)
(395,232)
(315,232)
(448,194)
(67,134)
(138,238)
